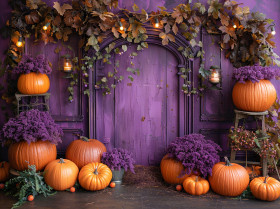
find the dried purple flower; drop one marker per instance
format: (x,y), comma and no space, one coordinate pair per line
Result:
(31,126)
(30,64)
(255,73)
(195,153)
(118,158)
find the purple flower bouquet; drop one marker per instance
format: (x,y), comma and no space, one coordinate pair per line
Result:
(31,126)
(118,158)
(255,73)
(30,64)
(195,153)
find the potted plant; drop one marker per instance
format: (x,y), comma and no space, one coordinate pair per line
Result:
(32,137)
(118,160)
(187,155)
(253,91)
(33,78)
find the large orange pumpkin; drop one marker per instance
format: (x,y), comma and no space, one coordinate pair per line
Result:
(61,174)
(84,151)
(196,185)
(4,171)
(254,97)
(33,83)
(171,170)
(38,153)
(95,176)
(265,188)
(228,179)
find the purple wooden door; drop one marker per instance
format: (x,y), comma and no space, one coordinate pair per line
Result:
(142,116)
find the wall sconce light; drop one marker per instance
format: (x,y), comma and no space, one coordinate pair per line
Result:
(45,27)
(20,42)
(67,67)
(156,22)
(215,76)
(121,25)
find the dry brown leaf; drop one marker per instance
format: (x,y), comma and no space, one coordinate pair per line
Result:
(61,9)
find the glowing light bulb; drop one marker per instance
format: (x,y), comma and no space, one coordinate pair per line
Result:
(19,42)
(234,26)
(156,23)
(121,26)
(273,32)
(45,27)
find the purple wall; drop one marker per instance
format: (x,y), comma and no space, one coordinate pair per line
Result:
(212,114)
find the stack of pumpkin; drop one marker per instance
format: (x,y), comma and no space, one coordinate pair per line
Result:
(228,179)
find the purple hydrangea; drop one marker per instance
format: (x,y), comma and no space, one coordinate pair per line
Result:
(195,153)
(30,64)
(31,126)
(118,158)
(255,73)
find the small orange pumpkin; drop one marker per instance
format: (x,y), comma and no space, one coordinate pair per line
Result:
(228,179)
(265,188)
(61,174)
(38,153)
(171,170)
(33,83)
(84,151)
(196,185)
(4,171)
(254,97)
(95,176)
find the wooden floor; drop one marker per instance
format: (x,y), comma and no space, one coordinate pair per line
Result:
(127,196)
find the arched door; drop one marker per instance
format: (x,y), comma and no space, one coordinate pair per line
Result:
(141,116)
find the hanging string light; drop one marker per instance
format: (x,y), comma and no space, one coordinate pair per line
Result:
(234,25)
(156,22)
(121,25)
(20,41)
(273,32)
(45,27)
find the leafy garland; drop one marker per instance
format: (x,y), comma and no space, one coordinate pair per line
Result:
(246,37)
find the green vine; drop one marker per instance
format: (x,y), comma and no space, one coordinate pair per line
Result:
(246,37)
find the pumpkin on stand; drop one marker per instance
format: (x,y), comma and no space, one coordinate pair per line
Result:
(95,176)
(61,174)
(196,185)
(229,179)
(254,92)
(84,151)
(4,171)
(265,188)
(32,137)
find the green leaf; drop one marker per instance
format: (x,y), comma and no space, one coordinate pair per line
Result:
(104,80)
(124,48)
(139,47)
(92,41)
(135,7)
(130,77)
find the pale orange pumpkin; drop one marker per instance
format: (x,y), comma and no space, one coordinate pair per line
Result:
(4,171)
(84,151)
(228,179)
(171,170)
(22,154)
(33,83)
(265,188)
(254,97)
(61,174)
(95,176)
(196,185)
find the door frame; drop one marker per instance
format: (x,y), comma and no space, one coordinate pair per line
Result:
(186,103)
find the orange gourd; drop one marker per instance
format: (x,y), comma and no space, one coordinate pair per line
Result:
(61,174)
(171,170)
(196,185)
(254,97)
(265,188)
(95,176)
(33,83)
(38,153)
(228,179)
(84,151)
(4,171)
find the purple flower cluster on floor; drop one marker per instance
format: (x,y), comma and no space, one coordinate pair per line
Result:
(31,126)
(255,73)
(195,153)
(118,158)
(30,64)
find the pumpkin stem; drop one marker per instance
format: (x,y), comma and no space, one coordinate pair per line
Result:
(227,162)
(265,178)
(95,171)
(61,160)
(196,178)
(84,138)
